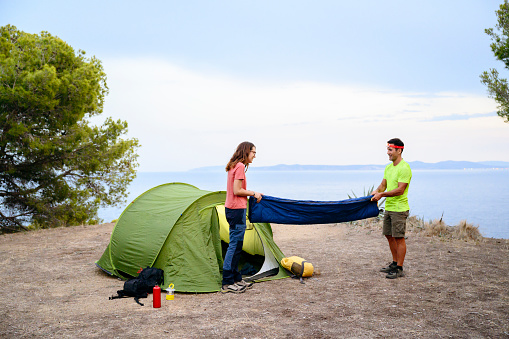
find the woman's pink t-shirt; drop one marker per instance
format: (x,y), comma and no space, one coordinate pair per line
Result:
(234,201)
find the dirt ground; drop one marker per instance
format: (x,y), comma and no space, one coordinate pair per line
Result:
(51,288)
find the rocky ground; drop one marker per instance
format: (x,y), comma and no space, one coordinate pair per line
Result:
(453,288)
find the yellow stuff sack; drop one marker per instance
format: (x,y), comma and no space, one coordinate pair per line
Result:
(294,265)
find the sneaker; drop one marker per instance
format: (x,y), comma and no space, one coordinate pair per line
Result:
(396,273)
(233,288)
(246,284)
(389,268)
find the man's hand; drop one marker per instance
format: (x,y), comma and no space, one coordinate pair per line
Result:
(376,196)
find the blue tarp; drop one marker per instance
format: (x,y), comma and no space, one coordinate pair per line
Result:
(304,212)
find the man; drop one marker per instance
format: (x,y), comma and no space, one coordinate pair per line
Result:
(396,180)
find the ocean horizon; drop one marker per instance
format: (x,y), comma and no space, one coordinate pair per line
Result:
(415,165)
(478,196)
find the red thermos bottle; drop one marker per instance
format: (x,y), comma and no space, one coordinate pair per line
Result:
(156,293)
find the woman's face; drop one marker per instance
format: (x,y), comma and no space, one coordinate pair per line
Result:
(252,155)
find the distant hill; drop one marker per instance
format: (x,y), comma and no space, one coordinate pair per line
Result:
(458,165)
(495,164)
(317,167)
(417,165)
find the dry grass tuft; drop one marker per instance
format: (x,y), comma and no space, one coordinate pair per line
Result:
(435,228)
(463,231)
(438,228)
(415,224)
(466,231)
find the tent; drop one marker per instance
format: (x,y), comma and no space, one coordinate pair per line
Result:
(183,231)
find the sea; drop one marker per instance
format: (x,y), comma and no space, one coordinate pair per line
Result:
(479,196)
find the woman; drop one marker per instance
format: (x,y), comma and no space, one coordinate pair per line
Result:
(235,208)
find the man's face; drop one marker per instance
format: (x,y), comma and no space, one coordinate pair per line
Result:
(393,153)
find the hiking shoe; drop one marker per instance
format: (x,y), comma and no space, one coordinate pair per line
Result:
(396,273)
(389,268)
(233,288)
(245,284)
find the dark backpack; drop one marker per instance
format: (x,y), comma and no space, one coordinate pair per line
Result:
(151,277)
(141,286)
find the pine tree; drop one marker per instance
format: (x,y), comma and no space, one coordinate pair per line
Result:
(56,168)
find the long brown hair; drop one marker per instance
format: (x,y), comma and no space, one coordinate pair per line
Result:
(240,155)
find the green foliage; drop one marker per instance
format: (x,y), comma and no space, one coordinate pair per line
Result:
(498,87)
(55,168)
(365,194)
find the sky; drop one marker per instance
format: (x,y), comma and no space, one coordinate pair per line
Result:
(322,82)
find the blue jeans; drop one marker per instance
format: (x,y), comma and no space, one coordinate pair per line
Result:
(237,220)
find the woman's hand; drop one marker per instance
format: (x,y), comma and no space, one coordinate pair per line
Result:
(258,196)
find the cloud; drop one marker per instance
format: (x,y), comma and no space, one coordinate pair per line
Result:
(186,119)
(462,116)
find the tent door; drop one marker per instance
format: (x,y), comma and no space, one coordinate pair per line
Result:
(270,266)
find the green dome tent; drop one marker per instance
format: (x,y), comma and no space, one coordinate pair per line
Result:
(183,231)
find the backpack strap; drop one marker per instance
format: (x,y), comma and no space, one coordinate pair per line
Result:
(295,276)
(302,271)
(121,294)
(115,297)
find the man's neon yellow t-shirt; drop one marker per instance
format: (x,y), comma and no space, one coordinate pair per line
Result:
(393,175)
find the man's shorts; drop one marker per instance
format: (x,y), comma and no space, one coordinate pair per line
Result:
(395,223)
